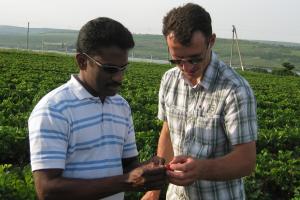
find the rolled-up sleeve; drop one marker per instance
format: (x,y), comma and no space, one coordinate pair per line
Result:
(240,115)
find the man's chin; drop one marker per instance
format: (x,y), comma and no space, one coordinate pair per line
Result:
(191,76)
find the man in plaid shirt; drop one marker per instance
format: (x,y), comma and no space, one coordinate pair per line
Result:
(209,113)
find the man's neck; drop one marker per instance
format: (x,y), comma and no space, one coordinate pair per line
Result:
(88,88)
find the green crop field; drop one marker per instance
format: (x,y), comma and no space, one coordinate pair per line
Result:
(26,77)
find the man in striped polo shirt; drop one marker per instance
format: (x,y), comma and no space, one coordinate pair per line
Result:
(82,140)
(209,114)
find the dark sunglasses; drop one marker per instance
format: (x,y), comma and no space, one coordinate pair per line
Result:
(106,67)
(193,61)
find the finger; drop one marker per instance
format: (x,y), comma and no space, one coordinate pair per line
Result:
(180,167)
(179,159)
(176,174)
(181,178)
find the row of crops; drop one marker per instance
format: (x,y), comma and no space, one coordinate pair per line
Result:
(26,77)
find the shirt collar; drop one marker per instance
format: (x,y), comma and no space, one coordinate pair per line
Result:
(79,91)
(211,72)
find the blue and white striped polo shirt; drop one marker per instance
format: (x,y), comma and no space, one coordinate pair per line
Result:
(72,130)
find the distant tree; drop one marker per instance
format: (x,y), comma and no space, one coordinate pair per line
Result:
(288,66)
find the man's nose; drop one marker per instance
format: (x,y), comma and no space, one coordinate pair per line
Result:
(187,66)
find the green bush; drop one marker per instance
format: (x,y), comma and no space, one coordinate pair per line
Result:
(277,176)
(26,77)
(279,139)
(16,183)
(14,145)
(283,72)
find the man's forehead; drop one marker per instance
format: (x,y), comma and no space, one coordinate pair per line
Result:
(111,51)
(197,37)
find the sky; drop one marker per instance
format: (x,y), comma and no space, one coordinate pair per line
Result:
(273,20)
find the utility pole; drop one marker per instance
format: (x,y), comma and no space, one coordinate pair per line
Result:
(27,44)
(237,44)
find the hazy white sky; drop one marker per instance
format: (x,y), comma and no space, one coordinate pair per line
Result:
(277,20)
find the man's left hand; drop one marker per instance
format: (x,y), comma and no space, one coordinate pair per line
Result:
(184,170)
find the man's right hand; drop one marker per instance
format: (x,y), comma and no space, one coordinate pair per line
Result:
(151,195)
(148,176)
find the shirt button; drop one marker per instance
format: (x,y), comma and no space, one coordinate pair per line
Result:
(182,197)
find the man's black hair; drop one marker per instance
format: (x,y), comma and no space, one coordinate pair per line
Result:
(183,21)
(103,32)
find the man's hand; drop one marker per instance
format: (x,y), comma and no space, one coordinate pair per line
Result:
(150,175)
(183,170)
(151,195)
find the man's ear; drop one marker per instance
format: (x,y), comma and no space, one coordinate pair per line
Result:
(81,60)
(212,40)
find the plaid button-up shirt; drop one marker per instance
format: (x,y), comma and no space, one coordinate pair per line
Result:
(205,121)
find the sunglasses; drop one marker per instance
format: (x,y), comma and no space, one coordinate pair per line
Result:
(193,61)
(112,69)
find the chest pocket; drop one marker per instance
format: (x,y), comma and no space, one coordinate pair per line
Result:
(176,116)
(203,135)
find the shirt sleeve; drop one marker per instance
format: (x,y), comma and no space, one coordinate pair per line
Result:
(48,138)
(161,101)
(130,148)
(240,115)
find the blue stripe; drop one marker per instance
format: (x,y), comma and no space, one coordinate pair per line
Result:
(86,119)
(95,146)
(48,137)
(45,109)
(66,101)
(86,125)
(49,158)
(95,161)
(74,129)
(129,149)
(116,121)
(48,131)
(131,130)
(130,144)
(63,107)
(99,117)
(49,114)
(93,168)
(49,152)
(115,116)
(118,104)
(96,140)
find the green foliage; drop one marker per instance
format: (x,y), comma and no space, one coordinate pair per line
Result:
(260,70)
(14,145)
(26,77)
(16,183)
(277,176)
(283,72)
